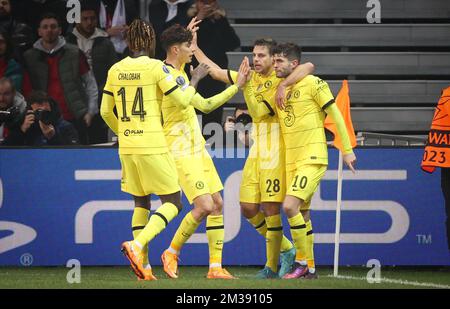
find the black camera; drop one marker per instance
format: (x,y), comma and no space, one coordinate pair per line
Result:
(9,114)
(244,118)
(41,115)
(243,122)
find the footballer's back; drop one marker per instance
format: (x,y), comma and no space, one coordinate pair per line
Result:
(135,84)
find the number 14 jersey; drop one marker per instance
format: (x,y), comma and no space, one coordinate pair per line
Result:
(137,86)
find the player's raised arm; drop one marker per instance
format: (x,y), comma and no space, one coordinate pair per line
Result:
(107,106)
(215,71)
(207,105)
(335,114)
(323,96)
(181,96)
(297,75)
(257,109)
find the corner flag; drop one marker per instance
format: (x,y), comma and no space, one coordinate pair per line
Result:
(343,103)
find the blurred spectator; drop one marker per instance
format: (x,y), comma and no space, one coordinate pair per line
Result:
(42,125)
(114,16)
(22,36)
(12,106)
(62,71)
(30,11)
(165,13)
(215,37)
(8,66)
(240,124)
(100,53)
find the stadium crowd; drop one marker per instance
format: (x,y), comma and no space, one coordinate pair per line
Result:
(66,65)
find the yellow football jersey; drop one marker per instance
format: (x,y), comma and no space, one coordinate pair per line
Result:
(259,94)
(135,86)
(302,122)
(264,89)
(181,126)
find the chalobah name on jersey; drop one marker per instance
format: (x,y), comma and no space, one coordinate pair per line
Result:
(129,76)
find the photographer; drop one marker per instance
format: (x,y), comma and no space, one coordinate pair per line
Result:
(240,123)
(12,105)
(42,125)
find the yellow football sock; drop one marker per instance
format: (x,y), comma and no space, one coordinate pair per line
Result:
(259,223)
(216,234)
(138,223)
(158,222)
(273,241)
(298,232)
(310,245)
(184,232)
(286,244)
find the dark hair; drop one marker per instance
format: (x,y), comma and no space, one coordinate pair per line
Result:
(141,37)
(175,34)
(8,80)
(38,96)
(50,15)
(240,106)
(267,42)
(9,48)
(289,50)
(89,5)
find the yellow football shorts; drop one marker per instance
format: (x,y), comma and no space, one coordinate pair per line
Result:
(149,174)
(303,182)
(263,180)
(198,175)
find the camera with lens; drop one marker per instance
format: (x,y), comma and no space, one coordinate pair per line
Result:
(9,114)
(244,119)
(41,115)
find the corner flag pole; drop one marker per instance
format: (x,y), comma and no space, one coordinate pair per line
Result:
(338,215)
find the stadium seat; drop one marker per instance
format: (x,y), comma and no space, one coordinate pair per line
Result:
(370,63)
(348,35)
(326,9)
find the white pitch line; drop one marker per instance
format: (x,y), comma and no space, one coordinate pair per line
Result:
(398,281)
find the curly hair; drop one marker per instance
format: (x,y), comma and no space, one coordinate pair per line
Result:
(141,37)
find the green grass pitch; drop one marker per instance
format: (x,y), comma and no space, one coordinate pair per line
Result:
(108,277)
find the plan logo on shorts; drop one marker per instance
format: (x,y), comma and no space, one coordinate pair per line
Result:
(199,185)
(297,94)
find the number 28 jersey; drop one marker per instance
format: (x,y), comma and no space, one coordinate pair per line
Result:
(137,86)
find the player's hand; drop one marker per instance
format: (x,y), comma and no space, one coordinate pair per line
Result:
(244,71)
(198,73)
(193,24)
(280,96)
(350,160)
